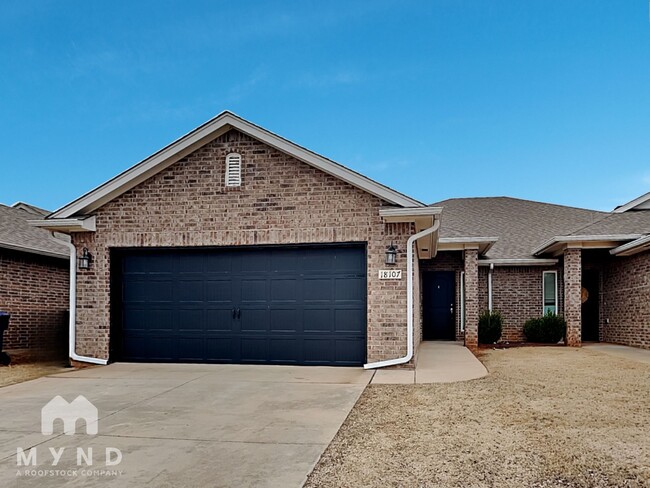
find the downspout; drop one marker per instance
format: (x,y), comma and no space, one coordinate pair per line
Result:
(409,301)
(490,286)
(72,329)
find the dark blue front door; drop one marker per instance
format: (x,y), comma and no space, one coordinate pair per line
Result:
(281,305)
(438,298)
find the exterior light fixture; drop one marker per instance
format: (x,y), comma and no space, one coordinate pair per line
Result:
(391,254)
(85,259)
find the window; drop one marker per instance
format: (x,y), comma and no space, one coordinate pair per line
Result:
(233,169)
(549,279)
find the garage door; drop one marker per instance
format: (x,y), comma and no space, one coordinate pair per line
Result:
(297,305)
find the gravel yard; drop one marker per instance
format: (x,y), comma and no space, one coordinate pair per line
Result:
(544,417)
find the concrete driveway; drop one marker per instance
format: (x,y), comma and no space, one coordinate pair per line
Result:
(180,425)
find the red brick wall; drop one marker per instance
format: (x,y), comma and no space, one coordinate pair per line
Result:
(281,201)
(34,289)
(626,300)
(517,294)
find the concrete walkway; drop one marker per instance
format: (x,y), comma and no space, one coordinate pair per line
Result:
(437,362)
(181,425)
(627,352)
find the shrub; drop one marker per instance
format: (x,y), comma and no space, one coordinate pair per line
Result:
(489,327)
(549,328)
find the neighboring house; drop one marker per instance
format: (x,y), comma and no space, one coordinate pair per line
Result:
(233,244)
(523,250)
(34,285)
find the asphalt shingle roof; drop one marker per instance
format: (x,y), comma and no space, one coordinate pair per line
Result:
(520,225)
(16,233)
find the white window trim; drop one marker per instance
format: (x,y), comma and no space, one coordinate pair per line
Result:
(228,164)
(544,273)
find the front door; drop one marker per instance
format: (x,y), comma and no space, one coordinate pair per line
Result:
(590,305)
(438,298)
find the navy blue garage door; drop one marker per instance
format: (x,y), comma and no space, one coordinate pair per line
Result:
(273,305)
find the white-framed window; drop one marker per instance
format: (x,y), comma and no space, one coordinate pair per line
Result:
(233,169)
(549,292)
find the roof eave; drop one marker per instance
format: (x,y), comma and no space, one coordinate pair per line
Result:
(558,243)
(66,226)
(34,250)
(633,247)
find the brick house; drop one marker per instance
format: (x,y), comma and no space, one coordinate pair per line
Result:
(33,282)
(233,244)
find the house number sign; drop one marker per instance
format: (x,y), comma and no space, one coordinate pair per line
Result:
(390,274)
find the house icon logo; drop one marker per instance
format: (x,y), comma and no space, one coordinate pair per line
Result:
(69,413)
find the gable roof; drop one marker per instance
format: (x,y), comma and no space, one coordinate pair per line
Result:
(520,225)
(205,133)
(639,203)
(17,234)
(33,209)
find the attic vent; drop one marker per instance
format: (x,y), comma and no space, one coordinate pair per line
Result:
(233,169)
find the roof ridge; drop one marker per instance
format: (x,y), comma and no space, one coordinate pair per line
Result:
(521,200)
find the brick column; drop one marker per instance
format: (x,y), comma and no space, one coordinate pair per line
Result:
(572,296)
(471,299)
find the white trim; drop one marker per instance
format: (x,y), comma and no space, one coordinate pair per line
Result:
(633,203)
(462,301)
(483,244)
(633,247)
(206,133)
(544,291)
(518,262)
(410,212)
(545,247)
(87,224)
(490,287)
(33,250)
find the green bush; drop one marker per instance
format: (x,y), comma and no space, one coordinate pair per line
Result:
(489,327)
(549,328)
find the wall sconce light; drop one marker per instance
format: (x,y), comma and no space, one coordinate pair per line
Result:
(391,254)
(85,259)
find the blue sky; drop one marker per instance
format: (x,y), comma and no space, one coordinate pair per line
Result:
(538,99)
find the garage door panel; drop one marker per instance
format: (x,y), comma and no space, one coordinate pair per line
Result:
(318,320)
(219,291)
(349,289)
(254,290)
(149,291)
(191,349)
(317,289)
(285,350)
(254,349)
(219,320)
(190,291)
(286,320)
(190,320)
(149,319)
(348,320)
(284,290)
(253,320)
(297,305)
(222,349)
(150,348)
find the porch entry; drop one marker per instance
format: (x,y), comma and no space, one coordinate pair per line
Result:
(438,303)
(590,297)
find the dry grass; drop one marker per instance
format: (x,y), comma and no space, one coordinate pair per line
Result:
(19,372)
(544,417)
